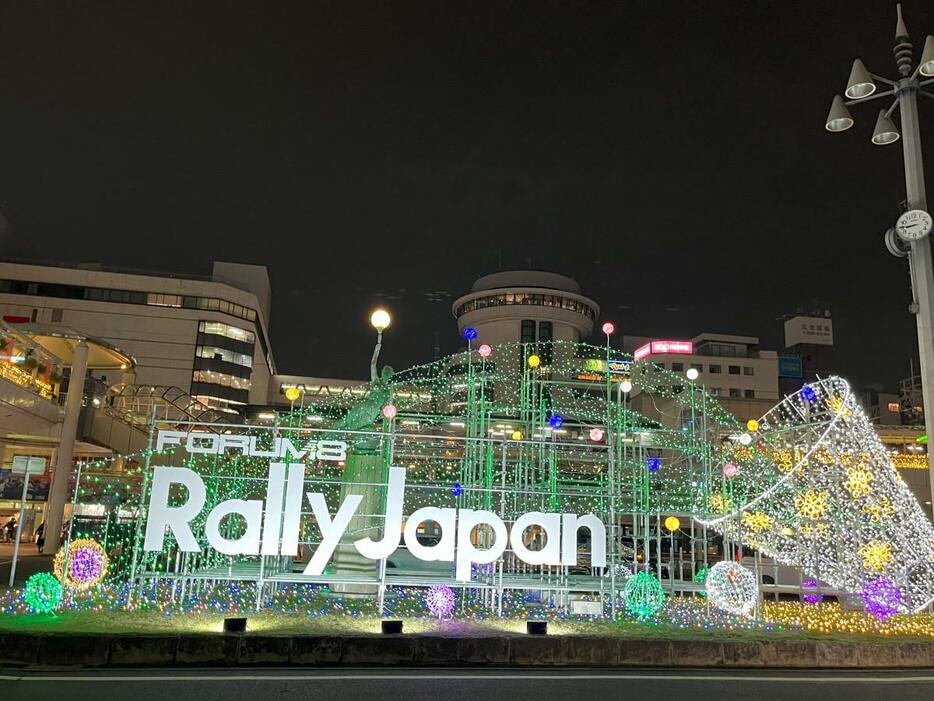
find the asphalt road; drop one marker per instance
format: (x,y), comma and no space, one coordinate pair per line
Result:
(460,685)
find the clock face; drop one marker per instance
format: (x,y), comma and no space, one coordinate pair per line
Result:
(913,225)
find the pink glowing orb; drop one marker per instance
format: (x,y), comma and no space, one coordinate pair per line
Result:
(390,411)
(730,470)
(485,351)
(596,434)
(608,328)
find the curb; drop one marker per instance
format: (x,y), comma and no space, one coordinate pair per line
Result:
(207,650)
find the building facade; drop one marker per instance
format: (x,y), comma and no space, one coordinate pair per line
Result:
(208,336)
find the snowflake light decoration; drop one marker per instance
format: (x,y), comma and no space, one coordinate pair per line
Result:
(441,601)
(811,504)
(876,556)
(858,482)
(87,564)
(757,521)
(732,588)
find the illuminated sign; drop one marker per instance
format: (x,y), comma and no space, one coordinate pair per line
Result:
(663,347)
(272,527)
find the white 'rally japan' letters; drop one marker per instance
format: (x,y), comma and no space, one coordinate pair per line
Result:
(273,527)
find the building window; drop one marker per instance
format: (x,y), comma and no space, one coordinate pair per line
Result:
(749,393)
(56,315)
(715,391)
(714,369)
(734,392)
(545,338)
(698,367)
(748,370)
(677,367)
(527,334)
(734,369)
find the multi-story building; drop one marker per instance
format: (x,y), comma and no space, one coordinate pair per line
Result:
(207,336)
(732,368)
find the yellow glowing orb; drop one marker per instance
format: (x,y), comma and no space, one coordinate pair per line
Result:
(672,523)
(752,425)
(293,393)
(517,435)
(534,361)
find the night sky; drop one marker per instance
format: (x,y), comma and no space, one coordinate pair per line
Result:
(669,156)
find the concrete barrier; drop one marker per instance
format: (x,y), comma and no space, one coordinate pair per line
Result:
(249,649)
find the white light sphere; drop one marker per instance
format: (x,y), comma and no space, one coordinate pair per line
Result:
(626,386)
(745,439)
(732,588)
(380,320)
(692,374)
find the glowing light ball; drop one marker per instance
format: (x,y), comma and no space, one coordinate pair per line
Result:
(745,439)
(42,593)
(596,435)
(672,523)
(293,393)
(87,564)
(380,320)
(457,489)
(813,597)
(752,425)
(653,464)
(732,588)
(626,386)
(643,596)
(485,351)
(441,600)
(692,374)
(730,470)
(608,327)
(390,411)
(470,334)
(556,421)
(882,598)
(808,393)
(534,361)
(517,435)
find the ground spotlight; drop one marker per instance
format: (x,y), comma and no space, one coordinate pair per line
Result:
(235,625)
(390,627)
(536,627)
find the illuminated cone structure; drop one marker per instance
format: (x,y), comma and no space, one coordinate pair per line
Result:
(817,489)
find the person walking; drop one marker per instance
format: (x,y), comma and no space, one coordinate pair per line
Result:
(11,529)
(40,536)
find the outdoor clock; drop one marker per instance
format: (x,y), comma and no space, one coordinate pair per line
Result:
(913,225)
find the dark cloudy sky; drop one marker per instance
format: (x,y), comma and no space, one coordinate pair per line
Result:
(670,156)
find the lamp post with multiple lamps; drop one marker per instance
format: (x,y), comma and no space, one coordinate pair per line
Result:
(909,237)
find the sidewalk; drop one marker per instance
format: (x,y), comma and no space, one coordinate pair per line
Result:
(30,562)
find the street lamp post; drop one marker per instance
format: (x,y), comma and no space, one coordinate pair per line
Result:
(379,320)
(913,243)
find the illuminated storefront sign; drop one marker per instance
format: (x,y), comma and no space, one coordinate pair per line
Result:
(272,527)
(663,347)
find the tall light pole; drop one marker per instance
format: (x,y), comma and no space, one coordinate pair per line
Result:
(909,238)
(379,320)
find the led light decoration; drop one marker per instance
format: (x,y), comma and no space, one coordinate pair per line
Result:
(441,601)
(457,489)
(42,593)
(390,411)
(730,470)
(485,351)
(534,361)
(517,435)
(653,464)
(882,598)
(470,333)
(596,435)
(643,595)
(672,523)
(87,564)
(732,588)
(556,421)
(293,393)
(813,597)
(819,491)
(608,327)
